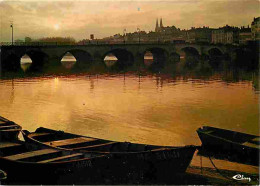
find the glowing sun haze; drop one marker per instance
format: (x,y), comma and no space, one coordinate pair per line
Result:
(103,18)
(56,26)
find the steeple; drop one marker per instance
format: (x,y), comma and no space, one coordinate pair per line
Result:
(157,26)
(161,25)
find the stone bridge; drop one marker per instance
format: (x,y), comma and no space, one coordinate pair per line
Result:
(94,54)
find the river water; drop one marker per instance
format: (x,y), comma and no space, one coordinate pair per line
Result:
(155,109)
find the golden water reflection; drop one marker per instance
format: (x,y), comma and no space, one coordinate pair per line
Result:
(151,109)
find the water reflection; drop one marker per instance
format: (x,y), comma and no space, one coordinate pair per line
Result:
(12,93)
(110,60)
(148,58)
(92,84)
(68,60)
(25,62)
(163,109)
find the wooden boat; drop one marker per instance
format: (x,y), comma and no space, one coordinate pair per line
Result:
(26,163)
(139,160)
(8,129)
(231,145)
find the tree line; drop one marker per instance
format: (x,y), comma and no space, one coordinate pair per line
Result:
(48,39)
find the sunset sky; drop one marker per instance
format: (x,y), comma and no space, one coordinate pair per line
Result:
(103,18)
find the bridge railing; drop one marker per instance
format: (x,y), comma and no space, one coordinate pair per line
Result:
(93,42)
(101,42)
(35,43)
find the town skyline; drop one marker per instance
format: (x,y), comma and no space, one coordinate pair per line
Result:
(106,18)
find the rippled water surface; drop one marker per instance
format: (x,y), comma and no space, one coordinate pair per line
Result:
(149,109)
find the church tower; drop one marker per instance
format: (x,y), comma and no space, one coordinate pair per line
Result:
(161,25)
(157,26)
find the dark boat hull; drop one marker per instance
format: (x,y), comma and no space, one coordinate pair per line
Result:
(222,148)
(9,135)
(53,173)
(154,167)
(27,163)
(161,163)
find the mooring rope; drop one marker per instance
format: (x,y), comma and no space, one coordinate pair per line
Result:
(220,171)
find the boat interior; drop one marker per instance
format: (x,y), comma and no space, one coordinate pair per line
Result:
(6,125)
(21,151)
(236,137)
(70,141)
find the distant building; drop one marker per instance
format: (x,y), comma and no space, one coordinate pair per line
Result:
(245,35)
(199,35)
(136,36)
(157,27)
(168,33)
(225,35)
(167,29)
(222,35)
(83,42)
(190,35)
(255,29)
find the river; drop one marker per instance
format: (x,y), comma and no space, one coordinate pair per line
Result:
(154,109)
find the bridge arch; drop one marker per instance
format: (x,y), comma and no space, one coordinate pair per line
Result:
(160,57)
(190,56)
(214,50)
(12,62)
(83,58)
(215,56)
(39,59)
(124,57)
(190,51)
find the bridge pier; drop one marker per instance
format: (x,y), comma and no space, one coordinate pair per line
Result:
(97,64)
(139,61)
(84,59)
(11,63)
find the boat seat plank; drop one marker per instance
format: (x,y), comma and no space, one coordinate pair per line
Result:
(94,146)
(8,144)
(250,145)
(208,131)
(253,143)
(2,122)
(39,134)
(6,122)
(60,158)
(7,126)
(3,119)
(31,154)
(9,130)
(72,141)
(255,140)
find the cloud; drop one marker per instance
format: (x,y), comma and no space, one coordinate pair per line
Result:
(104,18)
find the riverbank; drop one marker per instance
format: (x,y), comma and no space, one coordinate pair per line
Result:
(211,176)
(194,176)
